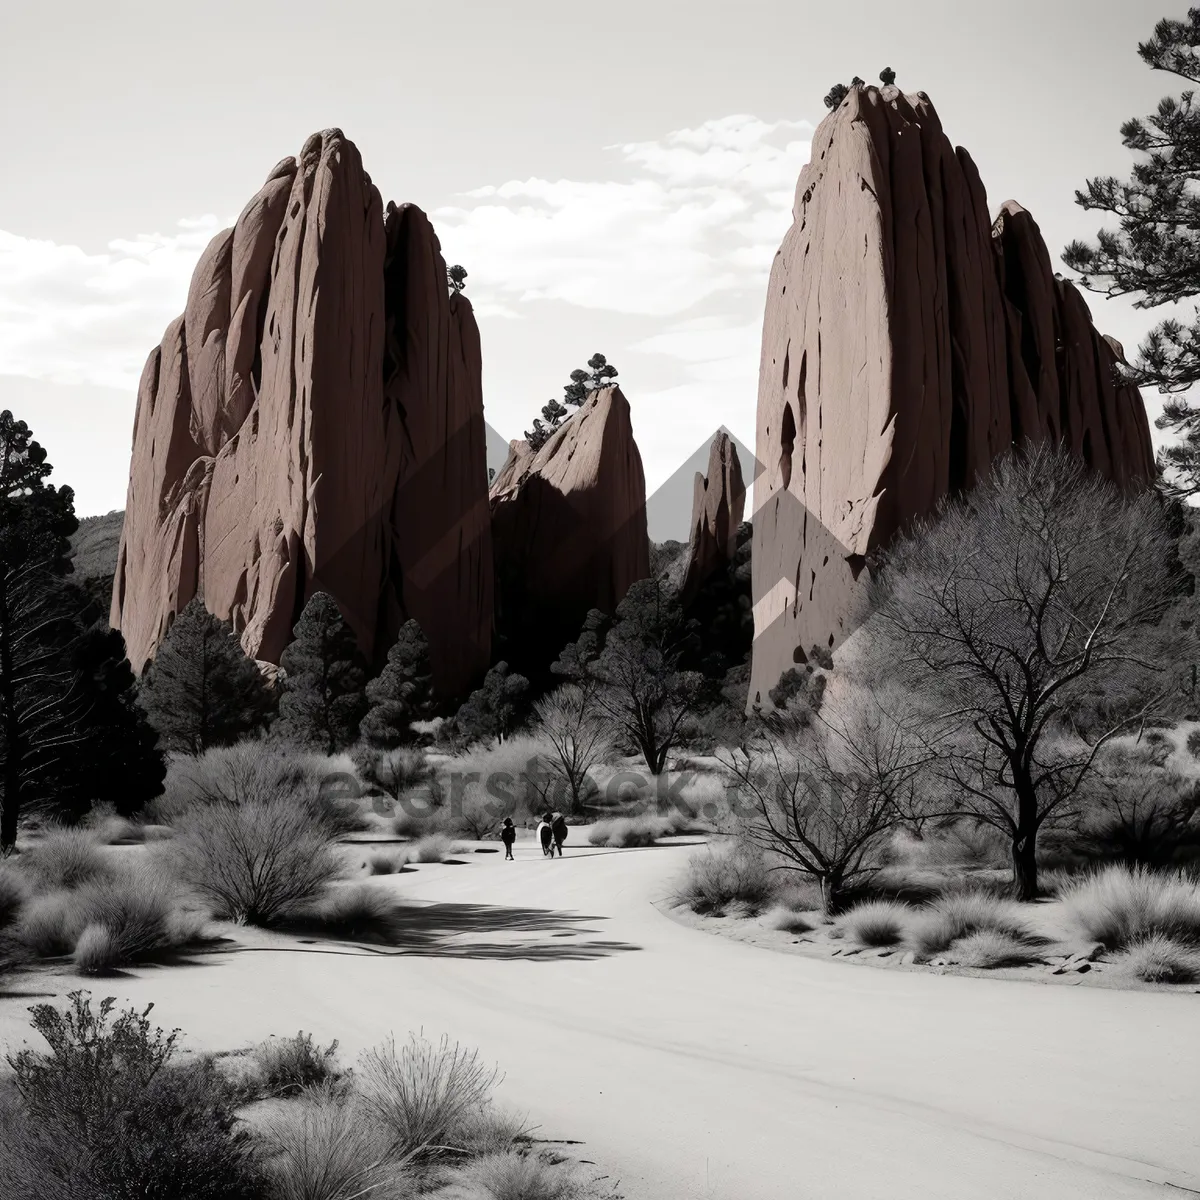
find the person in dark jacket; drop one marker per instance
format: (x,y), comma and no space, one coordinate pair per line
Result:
(558,827)
(508,835)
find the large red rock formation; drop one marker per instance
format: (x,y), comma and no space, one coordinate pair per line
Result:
(906,343)
(568,529)
(718,503)
(314,422)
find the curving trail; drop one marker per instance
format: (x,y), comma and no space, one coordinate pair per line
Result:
(695,1066)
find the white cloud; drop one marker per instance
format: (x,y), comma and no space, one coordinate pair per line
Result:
(695,215)
(68,316)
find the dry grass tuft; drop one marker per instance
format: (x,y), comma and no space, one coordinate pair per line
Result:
(65,858)
(991,948)
(1120,906)
(513,1176)
(789,921)
(876,923)
(323,1146)
(960,914)
(1158,959)
(386,862)
(425,1093)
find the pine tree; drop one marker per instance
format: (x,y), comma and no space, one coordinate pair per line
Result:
(401,693)
(202,690)
(1154,253)
(115,758)
(600,373)
(324,698)
(494,708)
(38,709)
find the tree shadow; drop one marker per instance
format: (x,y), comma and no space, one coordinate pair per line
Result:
(484,931)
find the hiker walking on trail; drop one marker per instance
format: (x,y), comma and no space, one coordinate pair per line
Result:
(558,828)
(546,837)
(508,835)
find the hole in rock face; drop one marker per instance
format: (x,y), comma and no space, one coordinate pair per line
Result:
(798,655)
(856,563)
(787,440)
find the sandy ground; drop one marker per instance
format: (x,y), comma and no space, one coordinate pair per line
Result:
(697,1066)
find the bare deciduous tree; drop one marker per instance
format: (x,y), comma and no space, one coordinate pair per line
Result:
(579,738)
(829,794)
(999,613)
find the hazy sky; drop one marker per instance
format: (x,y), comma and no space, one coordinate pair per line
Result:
(614,176)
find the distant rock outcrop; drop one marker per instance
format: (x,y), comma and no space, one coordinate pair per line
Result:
(314,422)
(568,530)
(906,343)
(718,502)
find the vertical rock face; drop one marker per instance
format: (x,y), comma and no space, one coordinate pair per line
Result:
(718,502)
(568,530)
(318,403)
(906,343)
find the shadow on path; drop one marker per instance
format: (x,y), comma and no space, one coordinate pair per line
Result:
(484,931)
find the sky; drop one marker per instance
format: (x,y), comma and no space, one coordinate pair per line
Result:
(614,177)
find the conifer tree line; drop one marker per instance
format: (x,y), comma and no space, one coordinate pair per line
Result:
(71,735)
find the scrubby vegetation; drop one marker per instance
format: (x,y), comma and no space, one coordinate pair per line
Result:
(115,1108)
(722,877)
(876,923)
(1120,906)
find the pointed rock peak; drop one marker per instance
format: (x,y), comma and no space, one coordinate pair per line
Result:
(317,401)
(876,397)
(718,504)
(568,530)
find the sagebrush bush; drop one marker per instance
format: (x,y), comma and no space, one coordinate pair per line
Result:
(425,1093)
(876,923)
(107,1113)
(323,1146)
(1158,959)
(256,862)
(65,858)
(1120,905)
(257,773)
(958,914)
(286,1066)
(991,948)
(513,1176)
(644,830)
(720,876)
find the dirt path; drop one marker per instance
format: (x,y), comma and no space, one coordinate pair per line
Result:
(694,1066)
